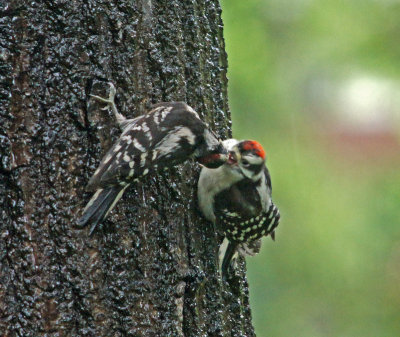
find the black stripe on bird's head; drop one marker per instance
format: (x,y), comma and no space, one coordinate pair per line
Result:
(249,156)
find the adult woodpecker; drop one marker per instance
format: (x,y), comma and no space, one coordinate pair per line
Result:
(169,134)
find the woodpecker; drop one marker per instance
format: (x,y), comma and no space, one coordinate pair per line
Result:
(236,197)
(167,135)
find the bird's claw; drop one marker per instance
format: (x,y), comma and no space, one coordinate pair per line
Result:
(111,96)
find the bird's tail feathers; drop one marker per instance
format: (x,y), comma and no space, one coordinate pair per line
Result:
(101,203)
(227,252)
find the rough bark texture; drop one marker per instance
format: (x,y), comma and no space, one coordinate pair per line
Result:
(151,269)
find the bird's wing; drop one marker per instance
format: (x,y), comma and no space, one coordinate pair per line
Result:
(163,137)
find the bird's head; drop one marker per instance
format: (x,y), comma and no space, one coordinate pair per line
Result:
(247,157)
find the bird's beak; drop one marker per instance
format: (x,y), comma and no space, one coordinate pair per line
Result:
(233,157)
(214,160)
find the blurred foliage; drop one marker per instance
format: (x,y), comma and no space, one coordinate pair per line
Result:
(334,269)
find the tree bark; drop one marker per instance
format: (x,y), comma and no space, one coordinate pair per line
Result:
(151,268)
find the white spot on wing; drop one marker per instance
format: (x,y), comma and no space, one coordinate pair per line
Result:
(165,112)
(128,139)
(156,116)
(143,157)
(232,214)
(145,127)
(138,145)
(146,131)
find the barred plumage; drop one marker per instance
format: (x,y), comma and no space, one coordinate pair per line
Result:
(168,134)
(242,232)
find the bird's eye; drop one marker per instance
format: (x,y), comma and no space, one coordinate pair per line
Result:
(245,162)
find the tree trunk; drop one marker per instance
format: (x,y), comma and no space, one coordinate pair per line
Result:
(151,268)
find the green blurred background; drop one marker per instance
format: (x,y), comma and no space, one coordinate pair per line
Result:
(318,84)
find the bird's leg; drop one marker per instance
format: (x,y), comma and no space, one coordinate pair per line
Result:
(121,120)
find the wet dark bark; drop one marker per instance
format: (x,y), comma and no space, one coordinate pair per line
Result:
(150,270)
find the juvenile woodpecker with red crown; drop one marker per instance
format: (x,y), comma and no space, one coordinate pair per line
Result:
(236,197)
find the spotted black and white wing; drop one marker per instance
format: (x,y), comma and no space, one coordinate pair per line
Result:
(168,135)
(243,235)
(247,230)
(244,218)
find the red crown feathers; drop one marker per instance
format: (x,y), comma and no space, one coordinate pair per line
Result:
(252,145)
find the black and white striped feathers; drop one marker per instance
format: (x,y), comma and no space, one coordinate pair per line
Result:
(168,134)
(237,198)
